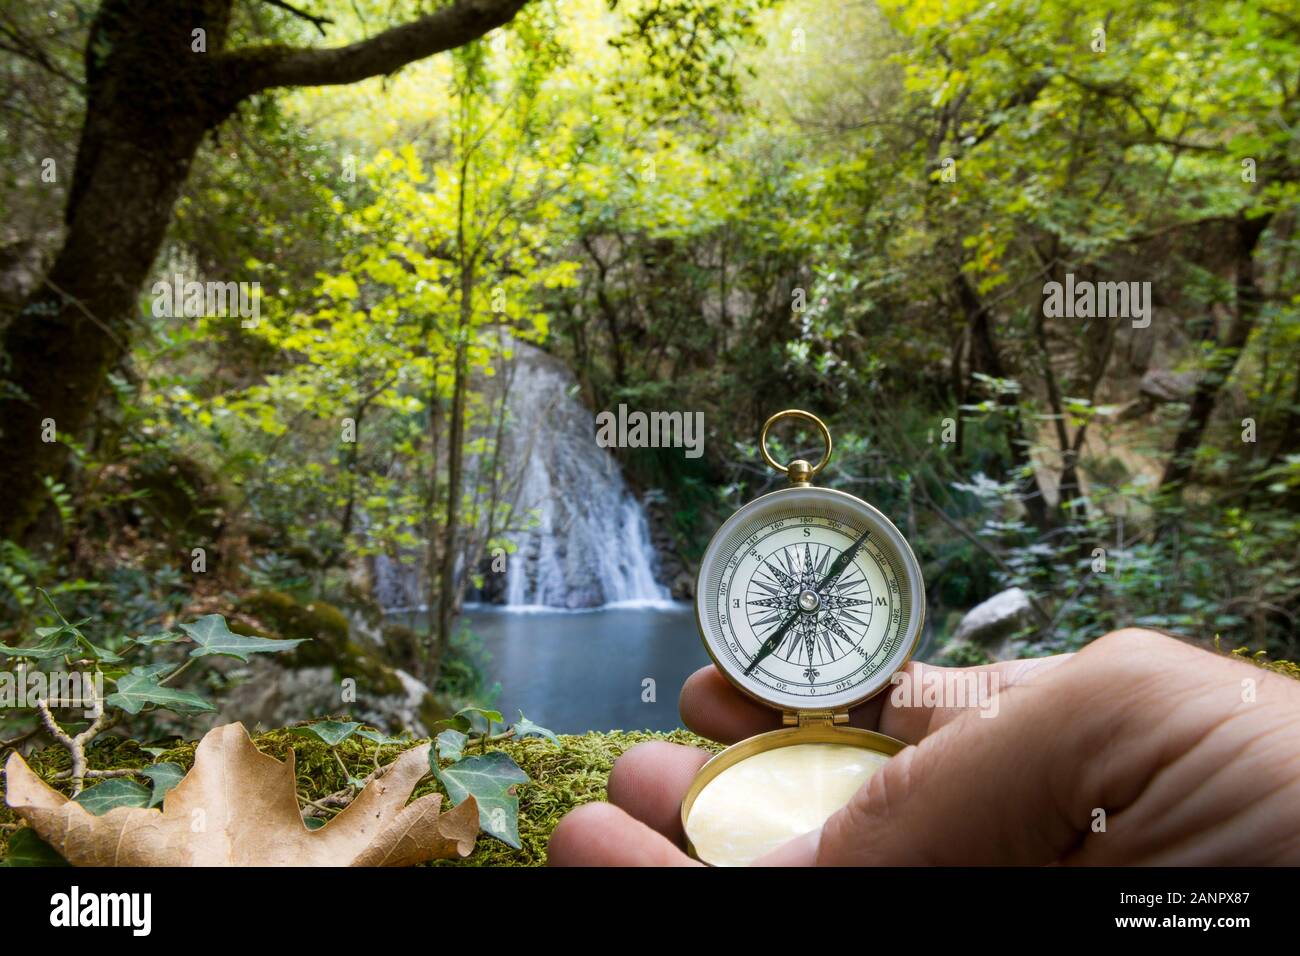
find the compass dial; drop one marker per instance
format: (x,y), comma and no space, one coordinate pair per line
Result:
(809,598)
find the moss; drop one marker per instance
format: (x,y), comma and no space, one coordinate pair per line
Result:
(1259,659)
(559,778)
(330,644)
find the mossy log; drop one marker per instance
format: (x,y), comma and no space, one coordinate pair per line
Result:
(560,778)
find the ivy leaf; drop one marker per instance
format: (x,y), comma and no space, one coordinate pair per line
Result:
(480,720)
(525,728)
(101,654)
(43,650)
(152,670)
(381,739)
(138,688)
(487,778)
(333,732)
(451,745)
(214,637)
(163,637)
(456,722)
(113,792)
(164,777)
(28,849)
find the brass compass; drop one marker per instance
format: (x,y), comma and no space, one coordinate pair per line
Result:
(809,600)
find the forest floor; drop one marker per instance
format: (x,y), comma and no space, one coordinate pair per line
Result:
(560,778)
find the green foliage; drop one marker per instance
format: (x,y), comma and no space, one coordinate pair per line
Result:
(724,207)
(139,688)
(112,793)
(213,636)
(560,778)
(491,777)
(164,776)
(129,687)
(332,732)
(27,849)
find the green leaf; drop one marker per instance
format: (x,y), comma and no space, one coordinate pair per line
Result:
(58,644)
(101,654)
(379,738)
(333,732)
(164,777)
(152,670)
(455,722)
(451,745)
(480,720)
(488,779)
(214,637)
(164,637)
(137,689)
(313,823)
(525,728)
(27,849)
(113,792)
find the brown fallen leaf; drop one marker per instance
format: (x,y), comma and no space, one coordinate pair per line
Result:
(236,807)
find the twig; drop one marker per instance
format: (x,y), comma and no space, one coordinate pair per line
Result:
(319,806)
(315,20)
(97,774)
(75,745)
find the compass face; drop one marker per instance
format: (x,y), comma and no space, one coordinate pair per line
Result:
(809,598)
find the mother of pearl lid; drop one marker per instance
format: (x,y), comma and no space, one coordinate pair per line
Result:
(765,800)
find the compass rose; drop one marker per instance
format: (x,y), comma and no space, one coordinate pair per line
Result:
(815,598)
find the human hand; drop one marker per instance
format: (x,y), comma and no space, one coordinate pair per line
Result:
(1194,759)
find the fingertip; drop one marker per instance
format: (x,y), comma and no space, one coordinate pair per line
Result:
(713,708)
(572,837)
(599,834)
(649,781)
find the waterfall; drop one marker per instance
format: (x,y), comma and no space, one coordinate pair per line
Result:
(587,543)
(582,540)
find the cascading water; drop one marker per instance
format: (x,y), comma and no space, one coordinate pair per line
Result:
(587,543)
(582,538)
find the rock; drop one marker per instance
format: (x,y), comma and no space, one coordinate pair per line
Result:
(993,621)
(306,682)
(1162,385)
(266,694)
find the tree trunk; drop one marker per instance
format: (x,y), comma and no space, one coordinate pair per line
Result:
(147,109)
(150,98)
(447,591)
(984,358)
(1245,311)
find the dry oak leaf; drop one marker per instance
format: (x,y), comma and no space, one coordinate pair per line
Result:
(236,807)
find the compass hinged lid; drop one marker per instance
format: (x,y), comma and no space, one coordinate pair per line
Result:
(809,599)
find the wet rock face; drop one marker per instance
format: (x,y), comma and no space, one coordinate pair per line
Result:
(990,623)
(580,535)
(589,544)
(670,568)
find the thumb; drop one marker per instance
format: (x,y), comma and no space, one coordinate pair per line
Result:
(976,790)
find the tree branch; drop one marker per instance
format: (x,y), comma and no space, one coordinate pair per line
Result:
(255,69)
(316,21)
